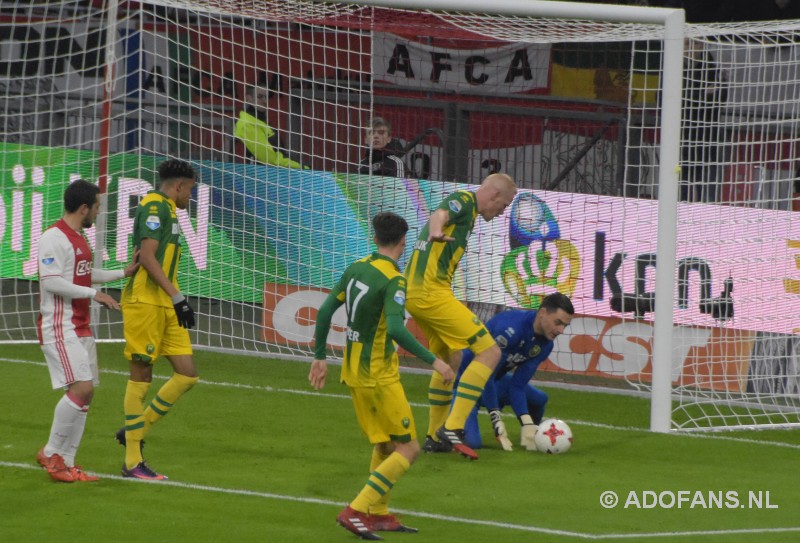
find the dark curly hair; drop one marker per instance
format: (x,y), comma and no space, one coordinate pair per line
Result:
(389,228)
(175,169)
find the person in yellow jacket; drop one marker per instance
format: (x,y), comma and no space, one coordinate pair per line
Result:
(260,140)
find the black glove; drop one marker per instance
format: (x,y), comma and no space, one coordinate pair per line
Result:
(500,429)
(183,311)
(497,422)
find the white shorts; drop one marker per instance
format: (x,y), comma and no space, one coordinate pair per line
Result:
(72,360)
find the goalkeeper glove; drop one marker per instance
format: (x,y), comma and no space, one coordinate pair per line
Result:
(500,429)
(183,311)
(528,432)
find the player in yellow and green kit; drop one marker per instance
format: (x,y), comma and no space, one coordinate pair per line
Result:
(447,323)
(156,315)
(373,292)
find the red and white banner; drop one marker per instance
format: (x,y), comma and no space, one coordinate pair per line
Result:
(506,69)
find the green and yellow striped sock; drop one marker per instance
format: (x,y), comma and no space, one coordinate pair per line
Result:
(380,482)
(165,398)
(133,404)
(470,388)
(439,397)
(382,506)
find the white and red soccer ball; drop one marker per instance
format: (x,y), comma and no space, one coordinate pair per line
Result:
(553,437)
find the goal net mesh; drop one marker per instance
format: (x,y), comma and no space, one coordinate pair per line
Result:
(273,103)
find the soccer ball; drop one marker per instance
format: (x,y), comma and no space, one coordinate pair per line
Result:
(553,437)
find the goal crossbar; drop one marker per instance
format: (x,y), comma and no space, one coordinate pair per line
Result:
(673,21)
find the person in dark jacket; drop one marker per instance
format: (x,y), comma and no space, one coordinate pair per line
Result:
(383,156)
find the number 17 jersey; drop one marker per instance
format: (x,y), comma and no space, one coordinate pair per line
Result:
(371,289)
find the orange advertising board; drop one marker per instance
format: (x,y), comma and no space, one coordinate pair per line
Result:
(610,347)
(709,358)
(290,314)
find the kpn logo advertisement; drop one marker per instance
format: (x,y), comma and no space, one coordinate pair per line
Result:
(734,267)
(539,262)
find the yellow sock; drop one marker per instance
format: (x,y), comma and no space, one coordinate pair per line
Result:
(470,388)
(439,397)
(380,482)
(165,398)
(133,404)
(382,507)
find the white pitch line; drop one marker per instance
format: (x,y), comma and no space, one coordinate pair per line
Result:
(267,388)
(317,501)
(741,531)
(423,514)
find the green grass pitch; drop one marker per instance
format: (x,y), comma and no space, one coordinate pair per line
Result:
(254,455)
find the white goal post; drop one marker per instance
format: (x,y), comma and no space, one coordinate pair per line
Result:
(635,139)
(672,21)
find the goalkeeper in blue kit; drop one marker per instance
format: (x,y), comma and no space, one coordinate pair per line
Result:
(525,338)
(373,291)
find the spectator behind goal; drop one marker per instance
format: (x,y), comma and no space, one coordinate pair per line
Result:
(260,140)
(383,154)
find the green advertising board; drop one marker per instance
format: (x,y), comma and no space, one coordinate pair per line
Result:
(247,225)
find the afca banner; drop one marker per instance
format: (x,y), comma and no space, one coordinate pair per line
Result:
(506,69)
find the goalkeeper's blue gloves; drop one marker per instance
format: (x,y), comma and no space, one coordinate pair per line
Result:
(183,311)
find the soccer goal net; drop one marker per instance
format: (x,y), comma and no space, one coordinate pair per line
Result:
(304,119)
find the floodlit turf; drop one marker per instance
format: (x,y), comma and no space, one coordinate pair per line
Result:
(254,455)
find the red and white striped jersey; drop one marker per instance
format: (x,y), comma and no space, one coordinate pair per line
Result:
(65,260)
